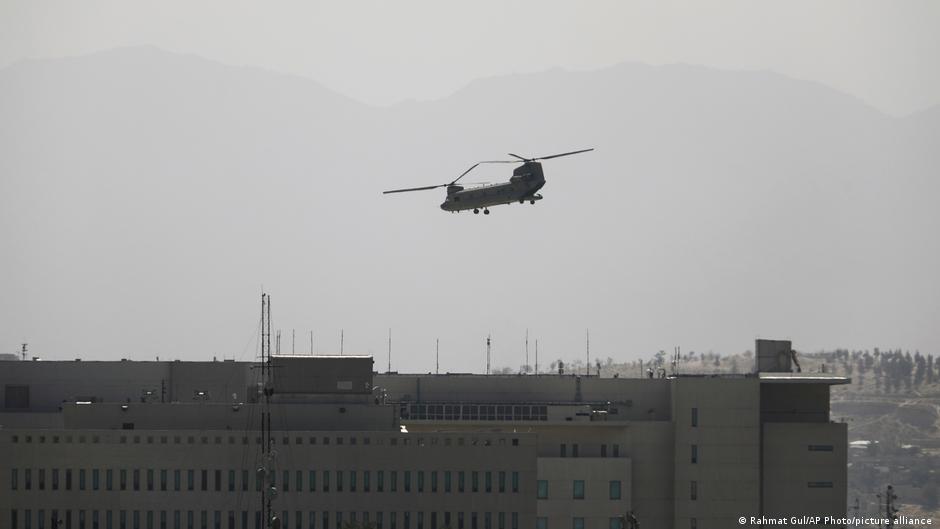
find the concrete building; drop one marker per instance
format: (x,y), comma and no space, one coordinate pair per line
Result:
(176,445)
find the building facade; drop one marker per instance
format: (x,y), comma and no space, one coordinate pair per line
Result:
(177,445)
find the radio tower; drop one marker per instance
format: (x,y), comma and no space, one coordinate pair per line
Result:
(267,470)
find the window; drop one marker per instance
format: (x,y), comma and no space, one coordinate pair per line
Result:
(149,479)
(515,482)
(693,523)
(460,481)
(820,448)
(190,479)
(604,450)
(819,484)
(693,490)
(694,454)
(298,482)
(502,481)
(420,481)
(204,482)
(285,481)
(615,523)
(563,451)
(574,450)
(326,481)
(95,479)
(616,450)
(542,489)
(339,481)
(541,522)
(407,481)
(615,490)
(366,480)
(109,479)
(352,481)
(447,481)
(433,481)
(577,523)
(475,481)
(231,480)
(695,417)
(488,481)
(578,489)
(393,481)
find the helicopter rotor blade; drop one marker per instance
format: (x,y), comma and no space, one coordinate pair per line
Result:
(414,189)
(472,167)
(549,157)
(517,156)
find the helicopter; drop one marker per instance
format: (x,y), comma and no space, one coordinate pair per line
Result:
(522,187)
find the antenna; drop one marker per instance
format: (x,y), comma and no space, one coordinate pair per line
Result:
(266,469)
(24,346)
(293,342)
(277,343)
(527,350)
(587,365)
(389,349)
(536,357)
(437,356)
(311,343)
(487,354)
(341,342)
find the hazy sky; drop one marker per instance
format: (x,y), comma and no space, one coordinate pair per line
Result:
(382,52)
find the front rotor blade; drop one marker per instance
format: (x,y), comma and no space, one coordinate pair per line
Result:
(413,189)
(517,156)
(549,157)
(472,167)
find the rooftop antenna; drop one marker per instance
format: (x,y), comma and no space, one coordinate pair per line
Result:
(341,342)
(311,343)
(587,365)
(266,470)
(277,342)
(437,356)
(536,357)
(487,354)
(527,350)
(293,342)
(389,349)
(24,346)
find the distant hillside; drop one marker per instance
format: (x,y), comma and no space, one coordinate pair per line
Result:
(146,196)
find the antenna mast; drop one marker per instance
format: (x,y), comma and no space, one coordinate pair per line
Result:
(266,470)
(293,342)
(536,357)
(24,345)
(437,356)
(587,365)
(341,342)
(527,350)
(389,349)
(487,354)
(311,343)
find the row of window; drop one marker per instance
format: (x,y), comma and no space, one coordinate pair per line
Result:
(296,481)
(577,489)
(578,523)
(575,450)
(474,412)
(123,519)
(693,487)
(284,440)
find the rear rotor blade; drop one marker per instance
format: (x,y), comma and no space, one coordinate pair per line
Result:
(549,157)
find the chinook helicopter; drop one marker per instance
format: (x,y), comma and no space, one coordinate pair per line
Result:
(522,187)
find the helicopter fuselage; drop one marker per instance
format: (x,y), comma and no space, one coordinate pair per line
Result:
(526,180)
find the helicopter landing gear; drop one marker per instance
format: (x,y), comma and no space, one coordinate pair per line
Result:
(486,212)
(532,202)
(476,211)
